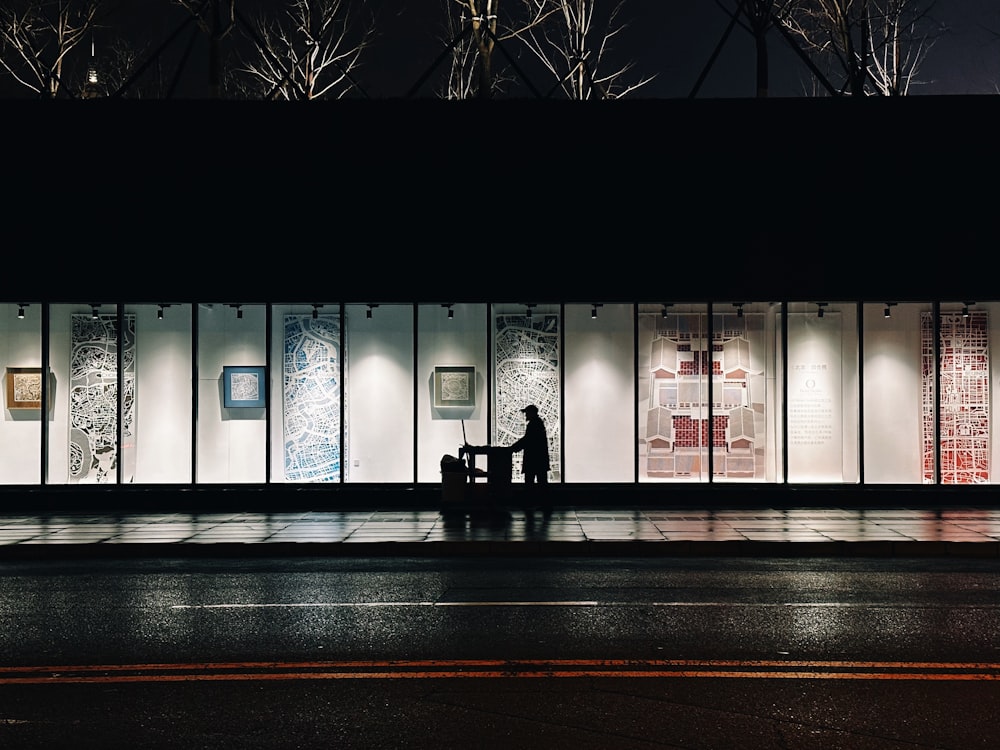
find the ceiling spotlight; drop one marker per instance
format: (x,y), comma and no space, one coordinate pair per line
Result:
(965,308)
(528,313)
(820,306)
(451,313)
(887,313)
(239,312)
(593,311)
(159,312)
(663,312)
(20,311)
(93,312)
(368,312)
(739,309)
(315,312)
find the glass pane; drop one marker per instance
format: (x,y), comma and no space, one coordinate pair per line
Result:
(306,413)
(379,390)
(83,356)
(822,392)
(963,376)
(894,392)
(232,389)
(451,385)
(527,363)
(163,405)
(746,409)
(599,381)
(20,364)
(674,360)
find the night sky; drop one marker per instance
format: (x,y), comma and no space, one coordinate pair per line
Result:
(672,39)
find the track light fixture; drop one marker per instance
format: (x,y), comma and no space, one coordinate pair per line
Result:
(94,314)
(239,311)
(368,312)
(820,306)
(315,312)
(965,308)
(663,312)
(527,314)
(739,309)
(887,313)
(20,311)
(593,311)
(159,312)
(448,306)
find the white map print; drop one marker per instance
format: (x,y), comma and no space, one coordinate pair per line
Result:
(93,400)
(526,353)
(455,386)
(244,386)
(311,378)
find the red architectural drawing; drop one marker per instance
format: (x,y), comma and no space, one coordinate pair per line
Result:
(681,362)
(964,375)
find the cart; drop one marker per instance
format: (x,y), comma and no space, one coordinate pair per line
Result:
(467,487)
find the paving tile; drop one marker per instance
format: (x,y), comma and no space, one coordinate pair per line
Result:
(932,531)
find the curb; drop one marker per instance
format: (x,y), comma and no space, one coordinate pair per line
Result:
(488,548)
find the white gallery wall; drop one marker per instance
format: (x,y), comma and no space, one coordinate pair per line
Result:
(20,429)
(379,387)
(163,394)
(231,442)
(459,341)
(599,402)
(60,326)
(892,395)
(822,395)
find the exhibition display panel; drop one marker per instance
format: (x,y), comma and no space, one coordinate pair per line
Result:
(834,392)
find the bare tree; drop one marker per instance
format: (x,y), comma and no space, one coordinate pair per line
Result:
(38,39)
(307,50)
(116,67)
(865,47)
(477,32)
(569,46)
(462,70)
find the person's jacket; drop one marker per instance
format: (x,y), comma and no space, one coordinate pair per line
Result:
(535,445)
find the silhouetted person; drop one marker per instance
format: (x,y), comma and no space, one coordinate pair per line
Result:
(535,462)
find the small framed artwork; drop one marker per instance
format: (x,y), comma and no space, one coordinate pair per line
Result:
(24,388)
(243,387)
(454,386)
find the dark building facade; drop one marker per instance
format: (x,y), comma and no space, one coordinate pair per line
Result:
(695,291)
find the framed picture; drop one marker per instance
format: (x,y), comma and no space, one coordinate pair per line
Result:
(243,387)
(454,386)
(24,388)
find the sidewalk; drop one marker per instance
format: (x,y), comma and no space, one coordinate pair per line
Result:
(743,532)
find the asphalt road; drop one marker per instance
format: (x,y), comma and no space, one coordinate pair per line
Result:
(491,653)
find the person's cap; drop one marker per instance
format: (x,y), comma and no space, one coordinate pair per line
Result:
(531,408)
